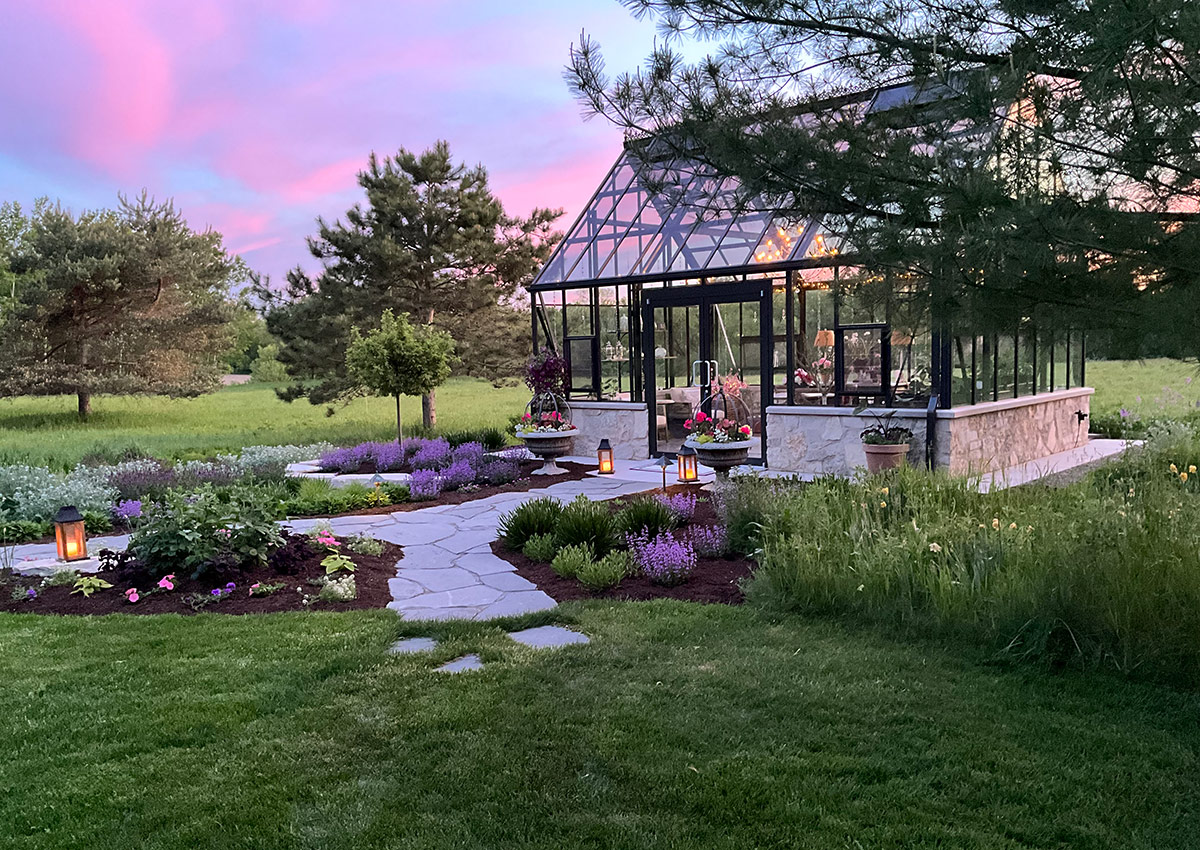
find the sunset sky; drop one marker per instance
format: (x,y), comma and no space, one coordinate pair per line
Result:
(254,115)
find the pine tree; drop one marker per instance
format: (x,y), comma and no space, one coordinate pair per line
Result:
(431,240)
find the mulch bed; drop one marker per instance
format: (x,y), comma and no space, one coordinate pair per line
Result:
(574,472)
(371,576)
(715,580)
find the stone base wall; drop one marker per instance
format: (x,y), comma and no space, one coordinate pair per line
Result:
(980,438)
(623,424)
(999,435)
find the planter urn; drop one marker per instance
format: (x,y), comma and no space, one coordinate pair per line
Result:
(883,456)
(721,457)
(548,446)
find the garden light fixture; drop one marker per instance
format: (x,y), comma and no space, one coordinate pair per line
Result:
(664,464)
(377,480)
(604,455)
(69,534)
(687,465)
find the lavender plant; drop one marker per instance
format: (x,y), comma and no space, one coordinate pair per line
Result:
(458,474)
(432,454)
(681,505)
(709,541)
(662,558)
(424,485)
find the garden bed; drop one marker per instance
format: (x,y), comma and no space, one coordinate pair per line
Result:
(300,583)
(715,579)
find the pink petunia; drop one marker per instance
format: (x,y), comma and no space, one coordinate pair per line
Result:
(167,582)
(131,595)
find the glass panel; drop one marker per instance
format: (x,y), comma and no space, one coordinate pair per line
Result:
(737,339)
(737,248)
(912,377)
(579,361)
(701,226)
(1005,364)
(1026,362)
(779,350)
(777,243)
(590,223)
(1060,362)
(644,238)
(616,355)
(863,352)
(551,303)
(579,312)
(815,348)
(961,355)
(676,346)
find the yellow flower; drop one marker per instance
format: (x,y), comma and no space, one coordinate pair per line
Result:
(1011,526)
(1029,528)
(934,548)
(996,522)
(883,504)
(1183,477)
(884,491)
(1192,469)
(1174,469)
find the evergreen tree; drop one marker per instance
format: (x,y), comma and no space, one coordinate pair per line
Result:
(397,359)
(431,240)
(115,301)
(1046,162)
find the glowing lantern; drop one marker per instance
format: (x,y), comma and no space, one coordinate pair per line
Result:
(687,465)
(604,455)
(69,534)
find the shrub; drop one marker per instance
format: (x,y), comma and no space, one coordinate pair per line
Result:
(492,439)
(540,548)
(342,460)
(34,494)
(424,485)
(342,589)
(662,558)
(362,544)
(16,531)
(644,514)
(140,479)
(203,535)
(571,559)
(432,454)
(681,505)
(387,457)
(709,541)
(741,505)
(537,516)
(196,473)
(269,463)
(606,572)
(472,453)
(497,471)
(584,522)
(287,559)
(458,474)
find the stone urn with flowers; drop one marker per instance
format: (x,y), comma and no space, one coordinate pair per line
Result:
(721,438)
(545,426)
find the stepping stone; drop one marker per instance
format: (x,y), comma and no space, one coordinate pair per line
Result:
(520,602)
(411,609)
(404,589)
(409,646)
(413,534)
(507,581)
(484,563)
(462,665)
(548,637)
(450,578)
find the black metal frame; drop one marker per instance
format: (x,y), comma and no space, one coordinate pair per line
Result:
(706,298)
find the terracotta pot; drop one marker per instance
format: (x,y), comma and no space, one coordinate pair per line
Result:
(722,457)
(881,457)
(549,445)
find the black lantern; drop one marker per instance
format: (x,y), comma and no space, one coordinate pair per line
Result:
(604,455)
(687,465)
(70,535)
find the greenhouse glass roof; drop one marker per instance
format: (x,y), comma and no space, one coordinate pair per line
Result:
(668,218)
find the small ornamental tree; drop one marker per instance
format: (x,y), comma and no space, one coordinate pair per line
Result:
(397,359)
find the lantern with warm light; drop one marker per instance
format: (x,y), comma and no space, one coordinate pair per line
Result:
(69,534)
(824,339)
(605,457)
(687,465)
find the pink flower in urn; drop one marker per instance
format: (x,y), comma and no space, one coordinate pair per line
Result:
(167,582)
(745,430)
(687,423)
(131,595)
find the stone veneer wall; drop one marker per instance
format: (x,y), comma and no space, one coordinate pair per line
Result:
(622,423)
(979,438)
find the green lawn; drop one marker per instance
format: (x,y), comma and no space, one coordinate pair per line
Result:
(680,726)
(46,430)
(1145,387)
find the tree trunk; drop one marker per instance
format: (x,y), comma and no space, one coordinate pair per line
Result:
(399,424)
(429,409)
(85,405)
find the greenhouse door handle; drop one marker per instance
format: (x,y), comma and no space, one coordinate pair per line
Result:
(698,369)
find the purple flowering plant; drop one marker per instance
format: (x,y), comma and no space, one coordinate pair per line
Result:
(128,509)
(709,541)
(681,505)
(424,485)
(546,372)
(663,558)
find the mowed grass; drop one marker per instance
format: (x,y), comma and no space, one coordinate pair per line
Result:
(1156,386)
(46,430)
(680,726)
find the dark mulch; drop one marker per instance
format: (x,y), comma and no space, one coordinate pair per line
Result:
(715,580)
(574,471)
(371,576)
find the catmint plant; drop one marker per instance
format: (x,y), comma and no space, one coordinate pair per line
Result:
(663,558)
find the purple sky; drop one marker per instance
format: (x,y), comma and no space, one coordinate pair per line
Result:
(255,114)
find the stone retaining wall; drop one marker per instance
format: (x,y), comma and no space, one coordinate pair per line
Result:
(979,438)
(623,424)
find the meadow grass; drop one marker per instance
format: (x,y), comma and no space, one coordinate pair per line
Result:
(46,430)
(680,725)
(1158,387)
(1102,573)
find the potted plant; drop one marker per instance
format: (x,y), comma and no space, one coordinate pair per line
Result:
(885,444)
(546,427)
(721,442)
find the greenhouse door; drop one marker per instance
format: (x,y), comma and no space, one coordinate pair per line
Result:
(696,338)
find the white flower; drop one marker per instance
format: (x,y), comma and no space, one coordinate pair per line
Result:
(935,548)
